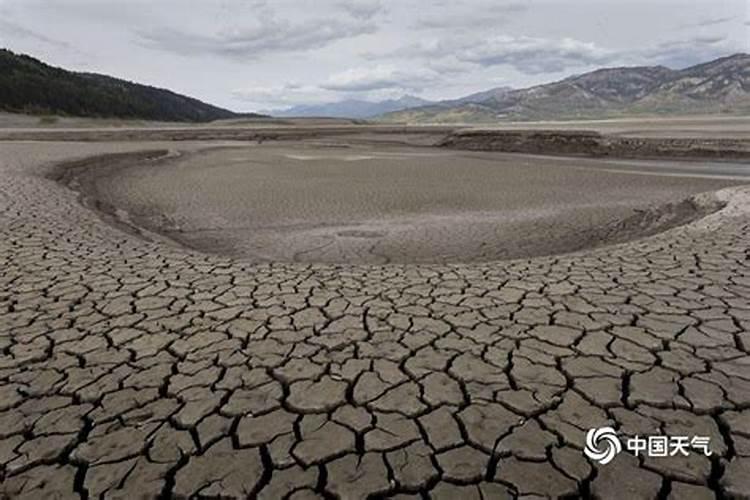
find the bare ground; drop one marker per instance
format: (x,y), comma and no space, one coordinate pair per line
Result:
(136,368)
(337,203)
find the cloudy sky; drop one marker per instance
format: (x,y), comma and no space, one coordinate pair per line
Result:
(262,54)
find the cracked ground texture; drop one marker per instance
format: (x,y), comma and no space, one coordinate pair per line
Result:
(139,369)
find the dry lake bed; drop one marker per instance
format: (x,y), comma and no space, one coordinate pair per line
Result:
(379,204)
(350,312)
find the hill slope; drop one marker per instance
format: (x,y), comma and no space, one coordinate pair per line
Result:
(720,86)
(31,86)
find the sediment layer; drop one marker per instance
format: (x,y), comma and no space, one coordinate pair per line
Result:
(587,143)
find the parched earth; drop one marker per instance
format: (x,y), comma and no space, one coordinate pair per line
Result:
(137,369)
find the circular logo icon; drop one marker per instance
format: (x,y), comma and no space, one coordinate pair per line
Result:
(602,444)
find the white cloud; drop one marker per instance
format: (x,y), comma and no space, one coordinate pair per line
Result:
(283,95)
(364,79)
(368,83)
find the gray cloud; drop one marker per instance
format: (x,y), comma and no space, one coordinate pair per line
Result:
(263,34)
(528,55)
(477,16)
(9,28)
(363,9)
(686,52)
(714,21)
(532,55)
(708,39)
(538,55)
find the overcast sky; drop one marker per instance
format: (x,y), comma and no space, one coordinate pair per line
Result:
(261,54)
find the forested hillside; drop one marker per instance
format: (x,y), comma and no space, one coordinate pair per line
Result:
(31,86)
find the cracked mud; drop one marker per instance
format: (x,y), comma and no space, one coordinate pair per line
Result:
(135,368)
(346,204)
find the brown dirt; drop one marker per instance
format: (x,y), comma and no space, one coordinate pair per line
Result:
(588,143)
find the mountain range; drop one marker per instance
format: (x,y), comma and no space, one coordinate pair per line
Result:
(30,86)
(352,108)
(721,86)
